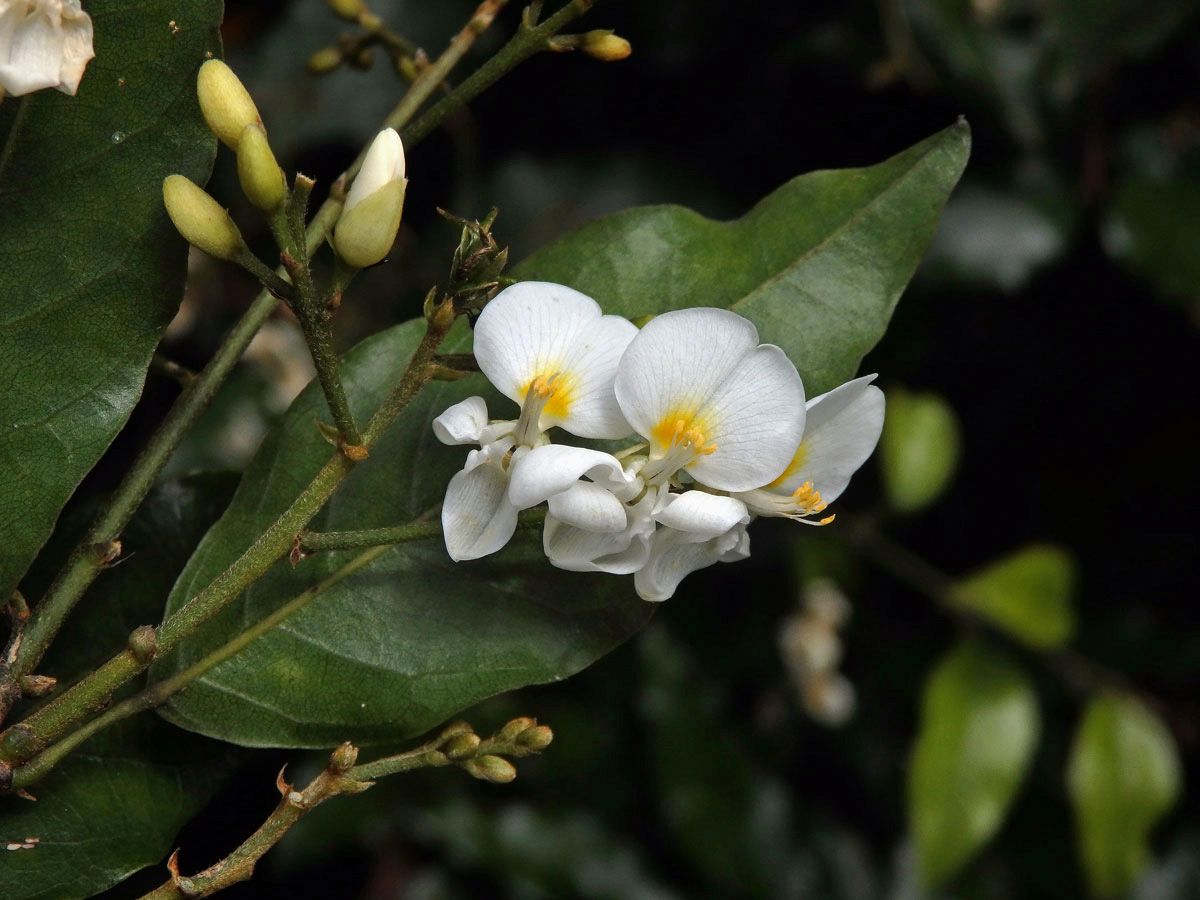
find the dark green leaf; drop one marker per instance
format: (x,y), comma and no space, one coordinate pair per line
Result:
(1027,594)
(413,638)
(818,265)
(1123,775)
(90,269)
(919,449)
(979,727)
(116,805)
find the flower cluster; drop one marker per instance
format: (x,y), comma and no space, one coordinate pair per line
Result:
(726,435)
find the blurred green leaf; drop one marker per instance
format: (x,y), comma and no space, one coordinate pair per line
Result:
(409,640)
(116,804)
(979,727)
(90,269)
(1153,225)
(818,265)
(731,821)
(1027,594)
(541,854)
(919,449)
(1123,776)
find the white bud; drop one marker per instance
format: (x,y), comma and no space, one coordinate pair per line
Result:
(374,204)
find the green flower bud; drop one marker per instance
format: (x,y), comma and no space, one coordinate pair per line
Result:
(536,738)
(324,60)
(491,768)
(605,46)
(461,746)
(201,219)
(349,10)
(367,227)
(510,731)
(261,178)
(225,102)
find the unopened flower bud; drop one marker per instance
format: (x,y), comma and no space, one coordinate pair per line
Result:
(261,178)
(536,738)
(605,46)
(461,746)
(363,59)
(343,758)
(324,60)
(510,731)
(349,10)
(491,768)
(200,219)
(225,102)
(369,221)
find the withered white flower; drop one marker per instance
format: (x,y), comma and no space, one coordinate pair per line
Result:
(43,44)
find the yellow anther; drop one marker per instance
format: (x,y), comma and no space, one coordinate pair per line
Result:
(541,387)
(704,451)
(828,519)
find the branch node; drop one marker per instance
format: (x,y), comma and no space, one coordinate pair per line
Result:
(143,643)
(107,551)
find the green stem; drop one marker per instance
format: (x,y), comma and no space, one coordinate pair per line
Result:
(10,142)
(85,564)
(319,336)
(160,692)
(322,541)
(21,742)
(524,44)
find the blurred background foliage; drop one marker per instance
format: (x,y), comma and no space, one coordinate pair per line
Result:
(980,682)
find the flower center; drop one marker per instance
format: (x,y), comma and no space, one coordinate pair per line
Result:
(808,501)
(684,441)
(542,395)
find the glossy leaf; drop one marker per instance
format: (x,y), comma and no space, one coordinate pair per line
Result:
(1027,594)
(919,449)
(818,265)
(116,805)
(1123,775)
(414,637)
(979,726)
(90,269)
(406,643)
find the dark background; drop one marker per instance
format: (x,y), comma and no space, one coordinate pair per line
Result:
(1056,312)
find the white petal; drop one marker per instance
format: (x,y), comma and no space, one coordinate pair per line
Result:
(756,418)
(552,468)
(587,377)
(527,330)
(589,506)
(34,56)
(842,430)
(579,550)
(676,362)
(77,47)
(384,162)
(462,423)
(702,516)
(673,556)
(477,518)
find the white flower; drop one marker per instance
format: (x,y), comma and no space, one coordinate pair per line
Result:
(711,400)
(383,164)
(43,44)
(550,349)
(841,430)
(697,530)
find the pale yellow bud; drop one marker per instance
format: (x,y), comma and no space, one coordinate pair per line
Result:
(201,219)
(605,46)
(491,768)
(260,176)
(324,60)
(225,102)
(349,10)
(367,227)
